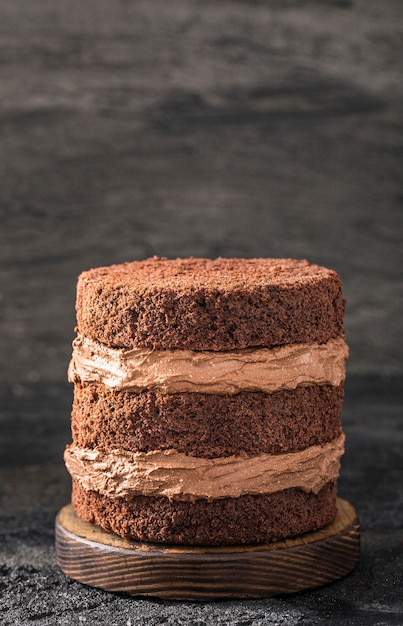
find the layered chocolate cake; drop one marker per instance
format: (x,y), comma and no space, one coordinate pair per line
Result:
(207,399)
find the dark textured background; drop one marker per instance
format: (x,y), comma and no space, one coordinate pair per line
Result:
(198,128)
(133,128)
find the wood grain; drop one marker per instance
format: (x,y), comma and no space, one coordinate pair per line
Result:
(100,559)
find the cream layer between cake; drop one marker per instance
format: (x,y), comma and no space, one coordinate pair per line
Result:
(182,477)
(226,372)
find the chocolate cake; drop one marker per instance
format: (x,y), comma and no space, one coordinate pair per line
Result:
(207,399)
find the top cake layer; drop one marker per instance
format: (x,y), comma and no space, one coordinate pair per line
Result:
(202,304)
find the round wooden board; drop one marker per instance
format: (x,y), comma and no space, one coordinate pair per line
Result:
(100,559)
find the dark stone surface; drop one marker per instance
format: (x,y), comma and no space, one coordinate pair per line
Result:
(134,128)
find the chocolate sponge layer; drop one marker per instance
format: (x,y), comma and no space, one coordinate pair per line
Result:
(228,521)
(203,304)
(206,425)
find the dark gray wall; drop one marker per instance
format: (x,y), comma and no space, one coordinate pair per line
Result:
(198,128)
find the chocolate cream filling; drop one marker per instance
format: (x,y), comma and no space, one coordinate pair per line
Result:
(226,372)
(178,476)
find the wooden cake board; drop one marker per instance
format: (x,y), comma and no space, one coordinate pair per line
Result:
(94,557)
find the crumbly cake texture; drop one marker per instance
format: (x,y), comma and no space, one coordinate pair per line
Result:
(199,304)
(213,305)
(206,425)
(226,521)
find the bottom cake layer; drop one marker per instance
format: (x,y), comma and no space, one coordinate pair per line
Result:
(226,521)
